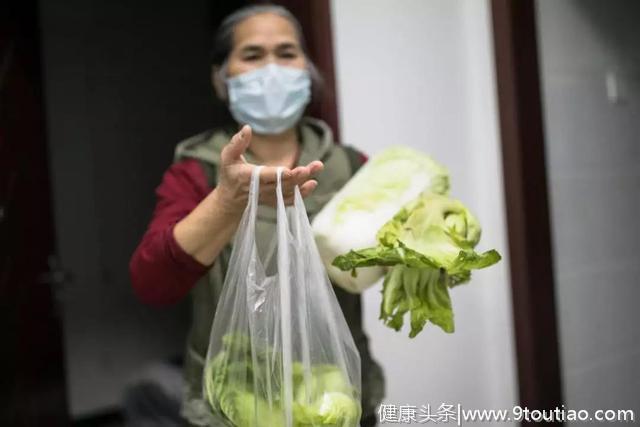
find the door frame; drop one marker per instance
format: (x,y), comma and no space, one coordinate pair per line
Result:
(32,360)
(527,204)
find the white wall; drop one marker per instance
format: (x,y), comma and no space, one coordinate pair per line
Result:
(593,152)
(420,73)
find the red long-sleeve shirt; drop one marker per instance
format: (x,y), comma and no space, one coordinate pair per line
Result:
(161,271)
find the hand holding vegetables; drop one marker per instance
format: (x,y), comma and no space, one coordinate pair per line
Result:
(235,174)
(211,225)
(280,351)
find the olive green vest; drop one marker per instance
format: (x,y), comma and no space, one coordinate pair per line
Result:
(340,163)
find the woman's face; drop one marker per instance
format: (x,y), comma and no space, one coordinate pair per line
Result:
(262,39)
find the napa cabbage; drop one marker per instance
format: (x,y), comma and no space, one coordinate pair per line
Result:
(376,192)
(428,247)
(245,389)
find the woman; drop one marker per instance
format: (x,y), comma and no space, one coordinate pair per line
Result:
(262,72)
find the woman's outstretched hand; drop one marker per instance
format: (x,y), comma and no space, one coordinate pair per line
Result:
(211,225)
(235,177)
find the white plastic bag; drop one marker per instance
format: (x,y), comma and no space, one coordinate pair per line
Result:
(280,351)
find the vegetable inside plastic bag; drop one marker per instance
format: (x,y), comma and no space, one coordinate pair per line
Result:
(280,351)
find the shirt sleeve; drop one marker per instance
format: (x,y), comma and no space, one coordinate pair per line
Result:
(363,157)
(161,271)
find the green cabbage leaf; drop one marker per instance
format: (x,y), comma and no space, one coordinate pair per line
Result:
(247,392)
(429,247)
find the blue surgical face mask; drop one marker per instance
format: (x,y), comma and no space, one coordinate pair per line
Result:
(270,99)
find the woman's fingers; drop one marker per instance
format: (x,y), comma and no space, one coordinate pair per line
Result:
(299,176)
(268,194)
(268,174)
(315,166)
(305,189)
(233,151)
(308,187)
(287,187)
(304,173)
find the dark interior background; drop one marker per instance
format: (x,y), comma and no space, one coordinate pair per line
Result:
(123,83)
(110,89)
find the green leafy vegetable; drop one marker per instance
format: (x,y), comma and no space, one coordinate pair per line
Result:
(393,171)
(243,389)
(429,244)
(383,185)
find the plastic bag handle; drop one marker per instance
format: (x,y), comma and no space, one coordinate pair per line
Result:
(254,191)
(285,300)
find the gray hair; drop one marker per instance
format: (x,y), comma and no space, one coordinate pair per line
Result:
(223,39)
